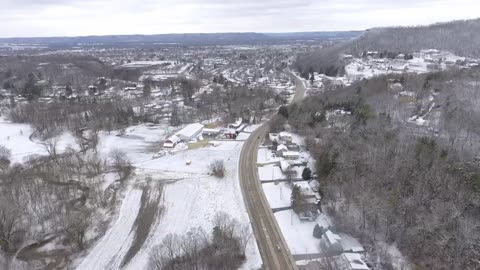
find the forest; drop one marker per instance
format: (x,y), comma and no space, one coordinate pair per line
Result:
(385,179)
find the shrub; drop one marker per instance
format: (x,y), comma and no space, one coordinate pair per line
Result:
(217,168)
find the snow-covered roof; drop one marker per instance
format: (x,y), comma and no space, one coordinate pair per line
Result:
(282,147)
(230,131)
(284,165)
(273,136)
(237,123)
(355,261)
(291,154)
(190,130)
(285,134)
(211,130)
(172,139)
(332,237)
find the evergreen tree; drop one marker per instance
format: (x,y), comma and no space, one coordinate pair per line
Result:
(307,174)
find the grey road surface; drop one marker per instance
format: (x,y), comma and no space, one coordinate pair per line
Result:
(273,248)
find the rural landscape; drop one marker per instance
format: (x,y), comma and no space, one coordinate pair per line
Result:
(333,150)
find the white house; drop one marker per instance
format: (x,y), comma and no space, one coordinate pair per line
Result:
(274,137)
(286,137)
(282,148)
(171,141)
(351,261)
(330,242)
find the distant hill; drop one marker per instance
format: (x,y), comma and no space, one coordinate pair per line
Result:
(187,39)
(459,37)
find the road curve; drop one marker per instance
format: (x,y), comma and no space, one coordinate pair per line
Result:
(273,248)
(268,234)
(300,88)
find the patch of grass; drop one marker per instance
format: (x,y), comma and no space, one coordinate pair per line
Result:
(406,100)
(213,125)
(199,144)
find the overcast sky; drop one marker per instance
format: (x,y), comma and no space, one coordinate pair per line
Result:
(21,18)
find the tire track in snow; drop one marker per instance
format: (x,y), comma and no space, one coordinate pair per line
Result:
(150,211)
(113,245)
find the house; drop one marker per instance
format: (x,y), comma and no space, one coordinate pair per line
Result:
(230,133)
(291,155)
(185,134)
(171,141)
(286,168)
(285,137)
(351,261)
(237,123)
(292,146)
(308,215)
(274,137)
(190,131)
(330,242)
(310,196)
(282,148)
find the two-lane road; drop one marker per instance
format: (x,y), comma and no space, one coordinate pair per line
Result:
(300,88)
(273,248)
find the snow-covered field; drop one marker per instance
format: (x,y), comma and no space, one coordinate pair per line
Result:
(16,137)
(185,196)
(191,197)
(111,248)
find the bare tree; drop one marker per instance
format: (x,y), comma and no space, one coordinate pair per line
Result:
(76,227)
(217,168)
(9,225)
(120,162)
(5,155)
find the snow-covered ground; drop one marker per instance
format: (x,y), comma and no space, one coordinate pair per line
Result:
(191,196)
(16,137)
(278,194)
(298,233)
(108,253)
(266,155)
(243,136)
(267,173)
(251,128)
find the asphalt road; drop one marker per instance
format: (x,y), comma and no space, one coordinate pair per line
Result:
(273,248)
(299,87)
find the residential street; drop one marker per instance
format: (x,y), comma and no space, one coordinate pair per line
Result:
(299,87)
(273,248)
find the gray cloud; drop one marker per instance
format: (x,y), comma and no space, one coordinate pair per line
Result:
(84,17)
